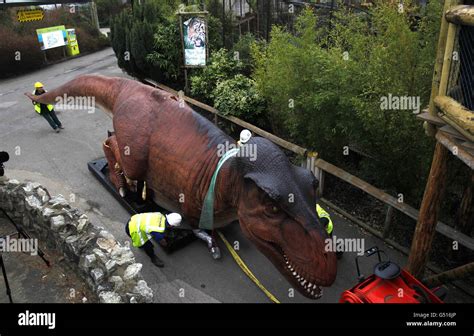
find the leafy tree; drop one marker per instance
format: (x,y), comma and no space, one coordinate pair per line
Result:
(165,57)
(324,89)
(243,49)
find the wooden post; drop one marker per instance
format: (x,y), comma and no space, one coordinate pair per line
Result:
(388,221)
(461,15)
(448,56)
(462,118)
(428,217)
(186,84)
(457,273)
(438,65)
(321,183)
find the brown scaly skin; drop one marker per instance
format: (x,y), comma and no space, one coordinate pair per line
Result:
(165,143)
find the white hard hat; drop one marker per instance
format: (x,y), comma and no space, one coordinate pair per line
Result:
(174,219)
(245,136)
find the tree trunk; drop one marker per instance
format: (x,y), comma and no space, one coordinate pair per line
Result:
(428,217)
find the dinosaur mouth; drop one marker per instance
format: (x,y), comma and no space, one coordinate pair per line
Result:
(309,287)
(305,284)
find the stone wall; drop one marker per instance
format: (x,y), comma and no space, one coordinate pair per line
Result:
(108,267)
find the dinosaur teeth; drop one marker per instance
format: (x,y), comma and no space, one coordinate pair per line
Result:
(312,289)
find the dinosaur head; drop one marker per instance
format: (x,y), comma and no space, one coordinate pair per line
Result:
(277,213)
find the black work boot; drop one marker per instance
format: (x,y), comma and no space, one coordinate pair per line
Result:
(157,261)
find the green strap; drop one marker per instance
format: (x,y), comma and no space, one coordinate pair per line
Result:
(207,213)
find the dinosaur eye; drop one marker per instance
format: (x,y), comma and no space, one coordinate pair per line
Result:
(275,209)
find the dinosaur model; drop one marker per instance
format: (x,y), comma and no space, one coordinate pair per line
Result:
(162,141)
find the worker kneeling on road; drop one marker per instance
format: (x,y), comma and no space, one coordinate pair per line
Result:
(142,227)
(328,225)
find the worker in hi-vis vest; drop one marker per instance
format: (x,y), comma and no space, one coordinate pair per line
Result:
(327,223)
(46,111)
(142,227)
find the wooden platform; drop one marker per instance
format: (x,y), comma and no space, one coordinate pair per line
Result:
(450,138)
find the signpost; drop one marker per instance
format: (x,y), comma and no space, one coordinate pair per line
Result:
(194,40)
(27,15)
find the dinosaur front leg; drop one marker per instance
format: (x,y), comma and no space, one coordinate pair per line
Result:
(116,174)
(211,242)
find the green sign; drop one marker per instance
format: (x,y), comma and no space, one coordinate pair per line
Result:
(52,37)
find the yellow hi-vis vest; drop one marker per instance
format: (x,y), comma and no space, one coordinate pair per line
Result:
(322,213)
(141,225)
(38,106)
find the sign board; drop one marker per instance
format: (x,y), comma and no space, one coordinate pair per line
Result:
(72,47)
(18,3)
(194,40)
(52,37)
(27,15)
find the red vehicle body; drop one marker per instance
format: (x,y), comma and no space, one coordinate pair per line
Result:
(390,284)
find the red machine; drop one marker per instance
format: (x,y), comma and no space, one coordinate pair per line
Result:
(389,284)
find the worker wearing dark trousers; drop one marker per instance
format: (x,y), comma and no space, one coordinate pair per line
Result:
(142,227)
(46,111)
(51,118)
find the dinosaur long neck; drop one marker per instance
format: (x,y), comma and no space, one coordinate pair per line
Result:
(104,90)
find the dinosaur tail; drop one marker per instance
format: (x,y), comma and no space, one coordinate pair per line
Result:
(104,90)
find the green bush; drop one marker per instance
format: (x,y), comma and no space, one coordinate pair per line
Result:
(239,97)
(324,89)
(222,66)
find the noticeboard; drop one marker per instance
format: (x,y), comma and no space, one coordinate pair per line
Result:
(52,37)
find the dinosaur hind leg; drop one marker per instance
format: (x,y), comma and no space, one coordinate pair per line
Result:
(211,243)
(112,155)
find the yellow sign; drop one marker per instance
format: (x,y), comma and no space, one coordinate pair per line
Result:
(30,15)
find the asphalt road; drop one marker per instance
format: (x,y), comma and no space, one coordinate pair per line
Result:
(59,161)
